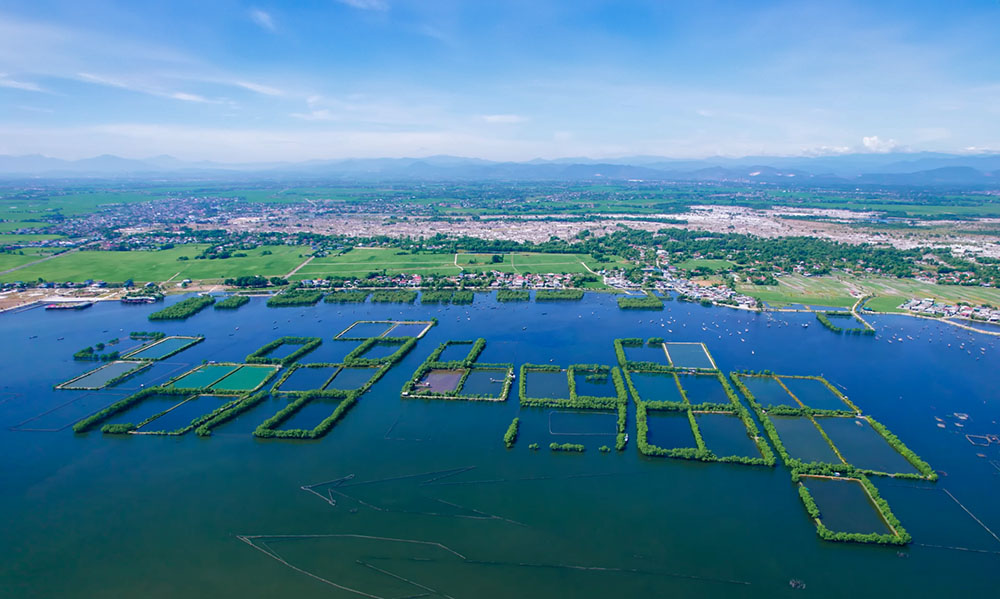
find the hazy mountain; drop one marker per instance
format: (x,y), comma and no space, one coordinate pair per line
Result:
(923,168)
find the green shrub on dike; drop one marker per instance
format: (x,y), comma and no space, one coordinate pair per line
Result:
(513,295)
(121,405)
(510,437)
(118,429)
(233,302)
(701,451)
(394,296)
(92,354)
(405,345)
(268,430)
(570,447)
(924,470)
(243,405)
(260,356)
(548,295)
(648,302)
(196,422)
(901,536)
(146,335)
(347,297)
(824,319)
(295,297)
(430,296)
(468,364)
(184,308)
(534,447)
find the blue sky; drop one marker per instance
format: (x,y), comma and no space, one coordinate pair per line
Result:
(513,80)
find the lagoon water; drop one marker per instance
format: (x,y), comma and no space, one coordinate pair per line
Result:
(425,500)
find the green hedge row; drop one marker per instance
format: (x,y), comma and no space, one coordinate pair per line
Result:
(260,356)
(184,308)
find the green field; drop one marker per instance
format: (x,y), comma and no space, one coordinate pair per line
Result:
(889,293)
(158,266)
(360,262)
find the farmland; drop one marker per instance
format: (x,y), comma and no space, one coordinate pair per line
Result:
(889,292)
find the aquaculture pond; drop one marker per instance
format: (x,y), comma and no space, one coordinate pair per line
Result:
(410,497)
(844,505)
(440,380)
(547,384)
(656,386)
(308,379)
(484,382)
(768,391)
(454,352)
(593,384)
(803,441)
(862,446)
(726,435)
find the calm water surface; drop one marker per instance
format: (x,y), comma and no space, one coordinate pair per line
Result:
(426,500)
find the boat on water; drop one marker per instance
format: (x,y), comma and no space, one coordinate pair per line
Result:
(69,306)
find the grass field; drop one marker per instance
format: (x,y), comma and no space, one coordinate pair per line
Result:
(360,262)
(23,257)
(889,293)
(158,266)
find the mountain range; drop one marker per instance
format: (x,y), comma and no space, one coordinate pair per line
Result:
(887,169)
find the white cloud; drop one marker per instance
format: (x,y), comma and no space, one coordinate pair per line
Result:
(262,18)
(379,5)
(877,145)
(314,115)
(185,97)
(22,85)
(143,89)
(260,89)
(506,119)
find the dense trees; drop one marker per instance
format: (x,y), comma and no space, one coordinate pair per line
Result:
(232,302)
(543,295)
(184,308)
(513,295)
(295,297)
(510,437)
(347,297)
(398,296)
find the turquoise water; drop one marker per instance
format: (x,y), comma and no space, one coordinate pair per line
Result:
(96,515)
(688,355)
(160,349)
(103,375)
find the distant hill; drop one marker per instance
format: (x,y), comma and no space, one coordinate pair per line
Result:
(890,169)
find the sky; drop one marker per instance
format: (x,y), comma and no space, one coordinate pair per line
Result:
(234,81)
